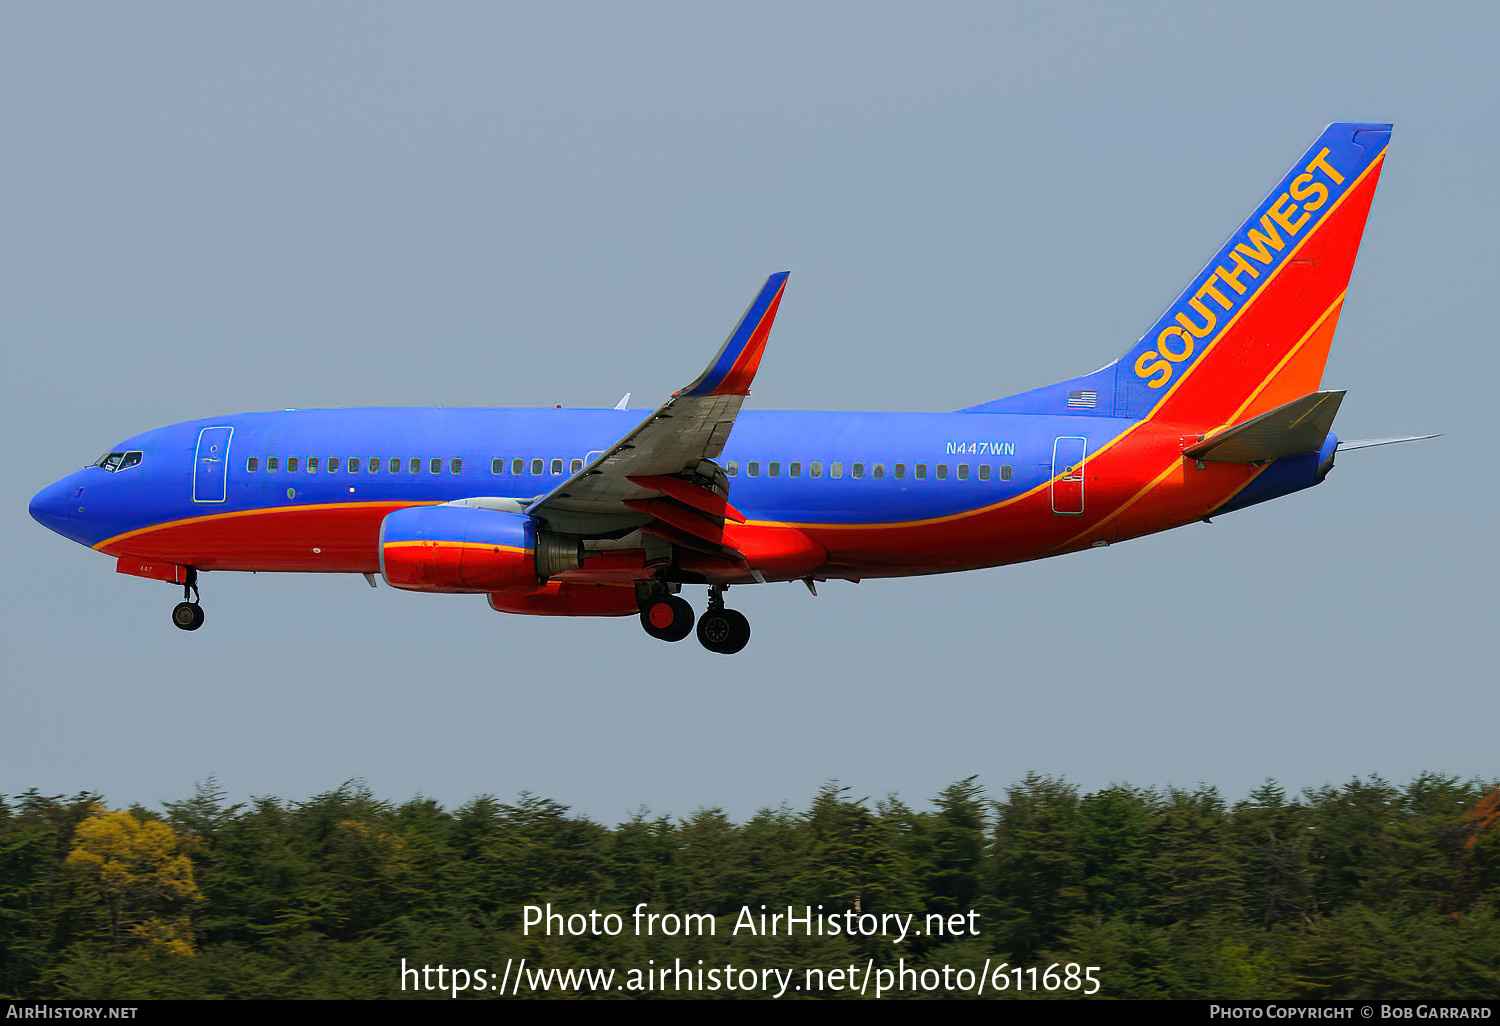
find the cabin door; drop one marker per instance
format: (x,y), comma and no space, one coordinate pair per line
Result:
(211,465)
(1067,475)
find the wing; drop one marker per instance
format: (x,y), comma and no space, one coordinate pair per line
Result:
(661,478)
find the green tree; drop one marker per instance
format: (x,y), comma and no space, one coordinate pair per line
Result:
(1039,871)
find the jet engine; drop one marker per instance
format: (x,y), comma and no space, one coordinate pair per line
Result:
(469,549)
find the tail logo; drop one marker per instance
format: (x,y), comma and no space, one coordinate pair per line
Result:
(1254,254)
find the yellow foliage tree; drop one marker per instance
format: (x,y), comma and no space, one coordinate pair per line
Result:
(141,875)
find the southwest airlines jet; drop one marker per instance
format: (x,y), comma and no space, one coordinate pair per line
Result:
(601,513)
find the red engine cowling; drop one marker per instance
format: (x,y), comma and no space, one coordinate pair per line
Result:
(468,549)
(567,598)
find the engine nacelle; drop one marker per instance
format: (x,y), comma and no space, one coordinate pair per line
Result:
(468,549)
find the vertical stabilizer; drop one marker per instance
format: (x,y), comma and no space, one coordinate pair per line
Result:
(1253,329)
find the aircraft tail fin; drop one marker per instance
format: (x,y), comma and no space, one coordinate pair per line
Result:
(1253,328)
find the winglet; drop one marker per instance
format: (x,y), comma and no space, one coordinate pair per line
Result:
(732,371)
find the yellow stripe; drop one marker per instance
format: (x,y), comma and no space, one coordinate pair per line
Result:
(485,546)
(257,512)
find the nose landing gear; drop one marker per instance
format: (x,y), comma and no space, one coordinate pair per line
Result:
(187,615)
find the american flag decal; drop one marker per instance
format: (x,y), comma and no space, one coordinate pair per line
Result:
(1083,400)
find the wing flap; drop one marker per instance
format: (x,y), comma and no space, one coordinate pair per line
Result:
(689,494)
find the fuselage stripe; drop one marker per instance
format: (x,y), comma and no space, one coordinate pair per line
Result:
(260,511)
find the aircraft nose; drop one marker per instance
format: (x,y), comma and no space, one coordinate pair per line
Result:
(58,505)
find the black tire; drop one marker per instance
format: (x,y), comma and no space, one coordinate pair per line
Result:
(187,616)
(680,624)
(725,631)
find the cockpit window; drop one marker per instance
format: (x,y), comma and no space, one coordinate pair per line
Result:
(117,461)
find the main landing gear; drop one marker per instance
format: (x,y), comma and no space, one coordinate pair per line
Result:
(187,615)
(667,617)
(670,618)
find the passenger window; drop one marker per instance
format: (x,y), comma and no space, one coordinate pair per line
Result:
(497,465)
(273,463)
(733,470)
(395,465)
(753,469)
(773,469)
(963,471)
(575,466)
(942,471)
(354,464)
(858,470)
(879,470)
(921,471)
(794,469)
(984,472)
(815,468)
(518,466)
(436,465)
(456,465)
(557,466)
(374,464)
(536,467)
(250,465)
(312,464)
(900,471)
(1005,473)
(415,466)
(291,464)
(835,470)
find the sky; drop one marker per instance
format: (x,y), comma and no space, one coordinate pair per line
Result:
(210,209)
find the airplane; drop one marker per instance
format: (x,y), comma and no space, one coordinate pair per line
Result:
(597,512)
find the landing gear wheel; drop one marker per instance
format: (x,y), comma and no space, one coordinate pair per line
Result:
(187,616)
(725,631)
(667,618)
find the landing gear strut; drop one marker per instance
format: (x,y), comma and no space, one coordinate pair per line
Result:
(722,630)
(666,617)
(187,615)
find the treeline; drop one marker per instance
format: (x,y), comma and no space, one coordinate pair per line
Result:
(1362,890)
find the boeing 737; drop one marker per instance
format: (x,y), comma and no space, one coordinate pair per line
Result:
(591,512)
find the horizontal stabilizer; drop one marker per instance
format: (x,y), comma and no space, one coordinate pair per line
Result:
(1300,426)
(1366,443)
